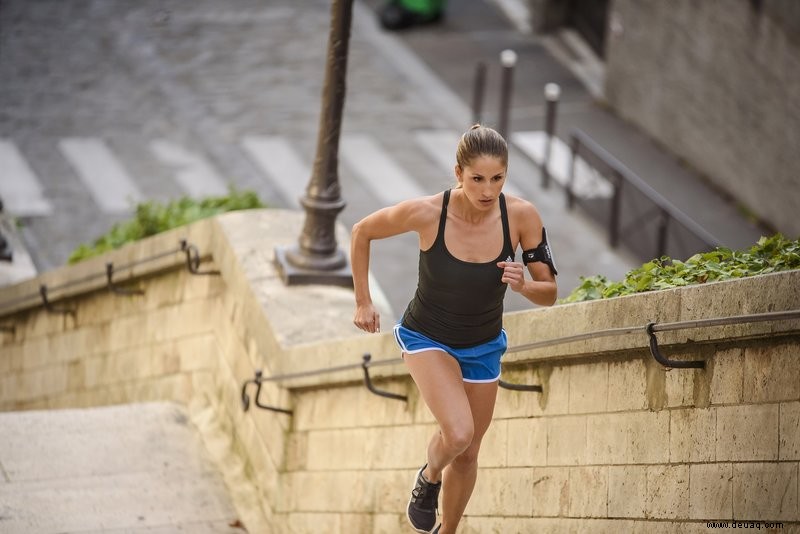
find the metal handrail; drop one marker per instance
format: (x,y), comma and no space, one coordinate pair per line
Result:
(44,293)
(649,329)
(576,337)
(597,156)
(723,321)
(662,327)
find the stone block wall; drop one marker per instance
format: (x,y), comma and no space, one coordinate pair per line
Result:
(114,349)
(614,443)
(619,445)
(715,83)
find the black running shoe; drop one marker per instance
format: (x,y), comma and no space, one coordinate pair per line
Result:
(424,503)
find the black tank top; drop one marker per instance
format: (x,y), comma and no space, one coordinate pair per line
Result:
(458,303)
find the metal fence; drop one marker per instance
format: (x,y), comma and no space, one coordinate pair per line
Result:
(634,214)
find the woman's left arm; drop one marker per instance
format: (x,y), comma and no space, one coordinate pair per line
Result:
(542,289)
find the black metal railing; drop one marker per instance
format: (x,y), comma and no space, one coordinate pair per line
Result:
(365,365)
(44,295)
(650,329)
(635,215)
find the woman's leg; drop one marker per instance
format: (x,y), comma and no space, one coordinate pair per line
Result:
(438,377)
(461,473)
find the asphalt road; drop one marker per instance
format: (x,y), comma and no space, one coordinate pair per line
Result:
(104,104)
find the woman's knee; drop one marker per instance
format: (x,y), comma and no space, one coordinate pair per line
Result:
(458,437)
(469,457)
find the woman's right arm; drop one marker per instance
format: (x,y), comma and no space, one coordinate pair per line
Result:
(404,217)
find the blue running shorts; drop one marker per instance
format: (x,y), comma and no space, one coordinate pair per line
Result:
(480,363)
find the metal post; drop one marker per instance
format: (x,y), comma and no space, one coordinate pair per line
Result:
(552,92)
(616,201)
(477,91)
(6,254)
(5,249)
(663,227)
(574,143)
(508,59)
(317,259)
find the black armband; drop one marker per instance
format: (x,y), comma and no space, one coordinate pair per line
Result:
(541,253)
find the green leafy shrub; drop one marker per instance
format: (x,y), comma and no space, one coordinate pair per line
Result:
(154,217)
(770,254)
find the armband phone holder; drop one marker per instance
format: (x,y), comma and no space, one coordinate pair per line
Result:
(541,253)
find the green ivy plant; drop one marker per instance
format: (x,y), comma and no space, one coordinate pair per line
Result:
(770,254)
(154,217)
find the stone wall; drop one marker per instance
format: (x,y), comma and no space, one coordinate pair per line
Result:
(614,443)
(592,458)
(715,82)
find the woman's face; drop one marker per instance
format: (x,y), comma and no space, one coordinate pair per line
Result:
(482,180)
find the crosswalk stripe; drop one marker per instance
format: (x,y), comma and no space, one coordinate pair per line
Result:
(377,170)
(114,190)
(280,162)
(441,145)
(20,189)
(195,175)
(587,183)
(105,177)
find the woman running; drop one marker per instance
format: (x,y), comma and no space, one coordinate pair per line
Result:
(451,335)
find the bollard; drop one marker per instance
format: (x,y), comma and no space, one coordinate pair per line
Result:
(663,233)
(478,88)
(616,206)
(552,92)
(508,59)
(6,254)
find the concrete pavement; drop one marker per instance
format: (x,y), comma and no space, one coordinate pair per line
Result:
(135,468)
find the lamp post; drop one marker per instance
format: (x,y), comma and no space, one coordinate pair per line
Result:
(317,259)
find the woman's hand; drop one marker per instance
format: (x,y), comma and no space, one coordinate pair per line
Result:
(367,318)
(513,274)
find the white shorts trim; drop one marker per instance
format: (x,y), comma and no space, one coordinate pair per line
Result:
(490,380)
(406,351)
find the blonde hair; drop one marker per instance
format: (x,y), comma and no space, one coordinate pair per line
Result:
(481,141)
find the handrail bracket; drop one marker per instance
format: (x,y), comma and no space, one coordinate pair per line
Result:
(660,358)
(193,259)
(117,290)
(246,398)
(520,387)
(49,305)
(368,382)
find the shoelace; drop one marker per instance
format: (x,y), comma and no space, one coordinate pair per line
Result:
(426,495)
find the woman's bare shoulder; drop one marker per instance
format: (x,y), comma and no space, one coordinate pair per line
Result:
(522,210)
(422,209)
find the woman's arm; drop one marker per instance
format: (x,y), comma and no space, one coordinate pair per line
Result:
(407,216)
(543,289)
